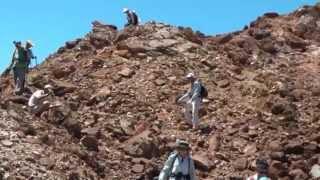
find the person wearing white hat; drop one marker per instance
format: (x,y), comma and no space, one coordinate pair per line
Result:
(132,17)
(19,66)
(30,55)
(192,100)
(37,102)
(179,165)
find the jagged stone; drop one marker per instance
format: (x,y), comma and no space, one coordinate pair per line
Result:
(137,168)
(73,126)
(278,169)
(90,142)
(298,174)
(126,72)
(7,143)
(202,162)
(240,164)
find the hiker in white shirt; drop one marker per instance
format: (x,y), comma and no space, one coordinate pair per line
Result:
(192,100)
(37,101)
(179,165)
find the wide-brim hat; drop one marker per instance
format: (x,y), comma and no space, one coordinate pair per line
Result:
(125,10)
(48,86)
(29,42)
(180,144)
(190,76)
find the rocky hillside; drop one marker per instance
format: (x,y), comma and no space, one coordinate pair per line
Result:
(119,120)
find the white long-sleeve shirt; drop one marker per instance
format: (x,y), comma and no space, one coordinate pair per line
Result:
(36,97)
(185,166)
(193,93)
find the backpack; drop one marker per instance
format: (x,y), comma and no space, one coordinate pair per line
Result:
(23,55)
(204,91)
(134,18)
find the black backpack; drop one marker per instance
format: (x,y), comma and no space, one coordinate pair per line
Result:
(204,91)
(135,18)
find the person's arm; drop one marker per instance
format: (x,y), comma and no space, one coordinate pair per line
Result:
(43,96)
(32,55)
(165,172)
(12,59)
(184,97)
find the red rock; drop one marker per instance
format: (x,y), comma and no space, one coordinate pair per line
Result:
(278,169)
(90,142)
(138,168)
(202,162)
(6,143)
(214,143)
(250,149)
(298,174)
(240,164)
(126,72)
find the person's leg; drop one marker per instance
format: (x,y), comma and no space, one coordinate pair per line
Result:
(195,112)
(15,78)
(188,113)
(39,109)
(23,79)
(20,79)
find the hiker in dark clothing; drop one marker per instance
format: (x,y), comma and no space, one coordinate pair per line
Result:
(262,167)
(131,17)
(19,65)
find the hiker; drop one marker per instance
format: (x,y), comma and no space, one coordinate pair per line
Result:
(19,65)
(192,100)
(37,102)
(131,17)
(262,170)
(30,55)
(179,165)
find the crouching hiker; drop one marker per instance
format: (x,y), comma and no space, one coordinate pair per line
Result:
(37,102)
(179,165)
(262,170)
(132,17)
(192,100)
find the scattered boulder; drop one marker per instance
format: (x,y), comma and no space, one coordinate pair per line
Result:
(90,142)
(138,168)
(126,72)
(202,162)
(278,169)
(7,143)
(240,164)
(294,148)
(141,145)
(73,126)
(298,174)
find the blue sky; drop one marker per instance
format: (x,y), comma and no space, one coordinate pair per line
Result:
(51,23)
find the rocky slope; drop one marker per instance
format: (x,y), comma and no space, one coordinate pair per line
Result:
(119,120)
